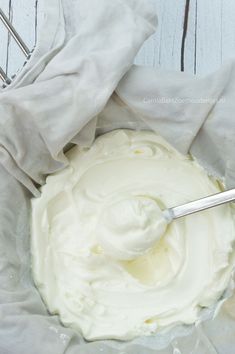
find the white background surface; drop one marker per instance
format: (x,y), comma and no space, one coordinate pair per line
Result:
(195,36)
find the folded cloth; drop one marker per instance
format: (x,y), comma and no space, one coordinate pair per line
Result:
(40,114)
(75,70)
(78,83)
(195,114)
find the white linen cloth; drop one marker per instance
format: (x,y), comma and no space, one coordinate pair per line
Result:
(66,94)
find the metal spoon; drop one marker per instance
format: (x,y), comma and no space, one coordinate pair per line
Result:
(199,205)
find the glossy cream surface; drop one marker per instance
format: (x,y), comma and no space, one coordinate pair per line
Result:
(103,257)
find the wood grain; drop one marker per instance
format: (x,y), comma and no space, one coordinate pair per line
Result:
(228,30)
(190,49)
(23,18)
(195,36)
(4,36)
(22,14)
(163,49)
(209,35)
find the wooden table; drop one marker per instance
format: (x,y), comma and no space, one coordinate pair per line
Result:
(195,36)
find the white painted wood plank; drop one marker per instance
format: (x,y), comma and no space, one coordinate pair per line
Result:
(163,49)
(169,52)
(209,35)
(148,54)
(4,5)
(209,41)
(190,39)
(228,29)
(23,19)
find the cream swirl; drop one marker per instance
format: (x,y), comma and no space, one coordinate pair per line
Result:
(129,227)
(102,256)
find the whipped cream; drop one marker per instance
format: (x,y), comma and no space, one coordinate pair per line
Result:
(103,257)
(130,227)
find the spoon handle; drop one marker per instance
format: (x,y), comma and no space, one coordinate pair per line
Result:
(200,204)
